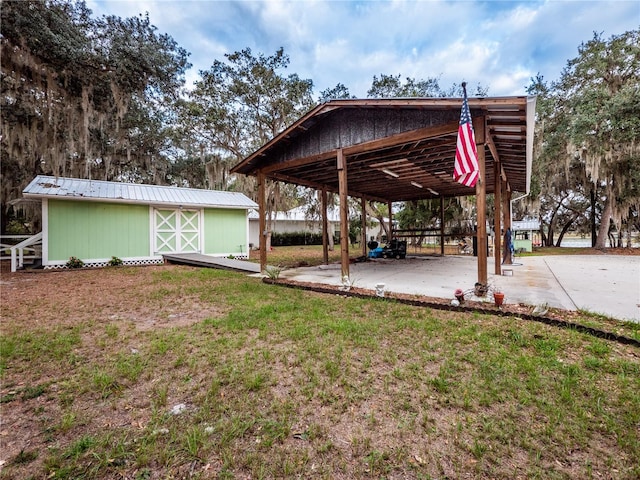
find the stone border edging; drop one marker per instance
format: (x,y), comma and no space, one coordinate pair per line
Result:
(554,322)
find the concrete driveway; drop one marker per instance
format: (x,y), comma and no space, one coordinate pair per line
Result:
(604,284)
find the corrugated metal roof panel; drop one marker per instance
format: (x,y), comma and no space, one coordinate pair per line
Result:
(60,187)
(519,225)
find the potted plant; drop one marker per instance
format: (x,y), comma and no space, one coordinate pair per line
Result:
(480,289)
(459,294)
(498,297)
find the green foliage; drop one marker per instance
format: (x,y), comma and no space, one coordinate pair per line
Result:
(115,262)
(390,86)
(295,238)
(17,227)
(25,457)
(587,135)
(337,92)
(240,104)
(82,95)
(74,262)
(425,214)
(272,272)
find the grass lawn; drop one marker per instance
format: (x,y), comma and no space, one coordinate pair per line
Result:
(180,372)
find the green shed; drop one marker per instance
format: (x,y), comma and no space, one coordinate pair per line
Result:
(96,220)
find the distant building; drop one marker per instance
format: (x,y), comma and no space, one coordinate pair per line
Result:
(295,220)
(526,234)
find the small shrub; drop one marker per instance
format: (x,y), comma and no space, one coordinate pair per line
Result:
(115,262)
(272,272)
(75,262)
(25,457)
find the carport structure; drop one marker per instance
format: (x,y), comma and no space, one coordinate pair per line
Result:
(395,150)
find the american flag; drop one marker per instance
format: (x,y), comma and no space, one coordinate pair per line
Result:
(466,170)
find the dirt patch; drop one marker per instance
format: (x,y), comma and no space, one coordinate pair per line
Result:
(86,332)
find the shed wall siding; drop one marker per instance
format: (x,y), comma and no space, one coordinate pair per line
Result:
(95,230)
(225,231)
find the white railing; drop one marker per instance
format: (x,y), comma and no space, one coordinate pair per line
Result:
(9,241)
(17,251)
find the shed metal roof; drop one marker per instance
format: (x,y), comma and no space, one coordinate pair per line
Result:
(528,224)
(99,190)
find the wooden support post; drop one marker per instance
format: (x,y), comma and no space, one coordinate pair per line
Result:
(506,255)
(507,209)
(497,213)
(262,221)
(344,218)
(325,228)
(481,200)
(442,226)
(363,234)
(390,222)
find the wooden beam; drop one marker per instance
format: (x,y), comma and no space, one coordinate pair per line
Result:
(262,221)
(344,218)
(325,228)
(493,149)
(506,204)
(299,162)
(405,137)
(442,226)
(497,226)
(363,227)
(390,222)
(513,103)
(481,200)
(320,186)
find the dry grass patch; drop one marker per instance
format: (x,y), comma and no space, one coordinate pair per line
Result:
(178,372)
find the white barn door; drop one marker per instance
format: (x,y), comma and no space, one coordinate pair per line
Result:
(176,231)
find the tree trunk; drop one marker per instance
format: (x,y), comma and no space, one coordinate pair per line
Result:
(269,229)
(565,228)
(3,219)
(593,215)
(543,236)
(603,231)
(549,239)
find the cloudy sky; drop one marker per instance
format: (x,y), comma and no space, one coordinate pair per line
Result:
(499,44)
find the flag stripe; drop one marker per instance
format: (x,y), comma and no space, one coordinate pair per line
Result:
(466,170)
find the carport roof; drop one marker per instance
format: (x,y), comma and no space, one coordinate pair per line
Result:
(397,149)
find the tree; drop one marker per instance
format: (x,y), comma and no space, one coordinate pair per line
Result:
(389,86)
(83,97)
(425,214)
(239,105)
(599,94)
(557,187)
(337,92)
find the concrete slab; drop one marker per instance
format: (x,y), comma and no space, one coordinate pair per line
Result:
(602,284)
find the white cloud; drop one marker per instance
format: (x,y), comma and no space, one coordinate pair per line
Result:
(498,44)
